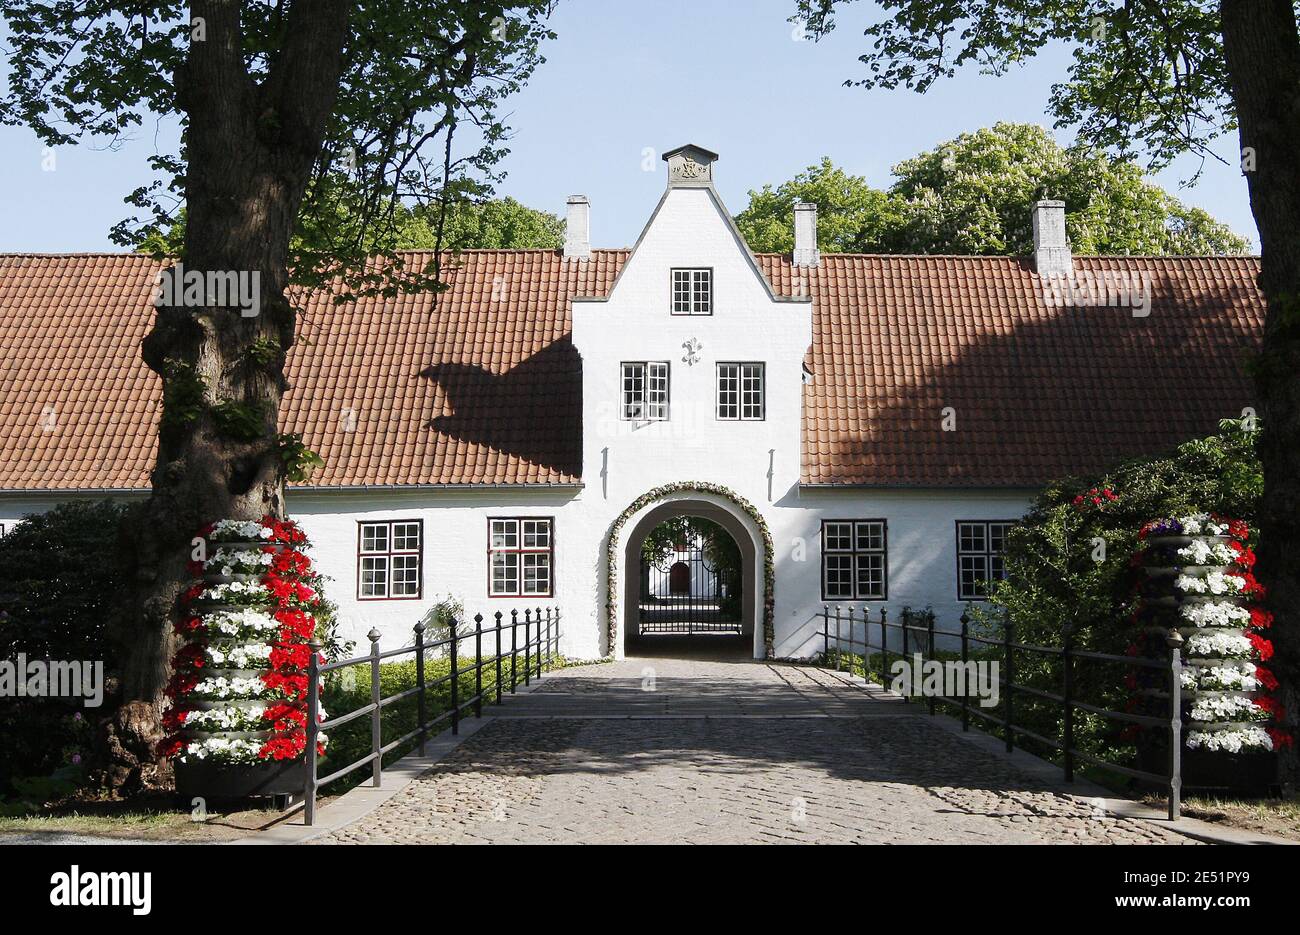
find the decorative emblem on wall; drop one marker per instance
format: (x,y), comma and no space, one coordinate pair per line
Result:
(692,355)
(690,169)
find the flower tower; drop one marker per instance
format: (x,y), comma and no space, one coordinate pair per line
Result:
(237,716)
(1199,582)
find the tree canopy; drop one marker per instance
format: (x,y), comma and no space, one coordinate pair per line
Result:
(974,194)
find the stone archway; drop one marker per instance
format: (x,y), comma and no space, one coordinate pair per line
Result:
(711,501)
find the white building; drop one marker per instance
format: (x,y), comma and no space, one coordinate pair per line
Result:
(864,425)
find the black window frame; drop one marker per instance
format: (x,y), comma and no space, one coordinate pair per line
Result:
(986,552)
(625,407)
(740,366)
(692,290)
(854,552)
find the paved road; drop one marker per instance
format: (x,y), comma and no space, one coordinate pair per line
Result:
(657,750)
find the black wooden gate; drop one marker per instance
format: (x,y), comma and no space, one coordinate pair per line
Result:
(685,594)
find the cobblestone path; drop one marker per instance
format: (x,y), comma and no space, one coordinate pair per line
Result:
(663,751)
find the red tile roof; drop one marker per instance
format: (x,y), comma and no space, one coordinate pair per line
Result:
(485,387)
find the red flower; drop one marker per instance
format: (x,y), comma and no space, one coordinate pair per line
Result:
(1280,738)
(1263,648)
(1271,705)
(1266,678)
(1260,619)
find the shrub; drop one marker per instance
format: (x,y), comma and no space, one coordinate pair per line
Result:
(1069,565)
(60,574)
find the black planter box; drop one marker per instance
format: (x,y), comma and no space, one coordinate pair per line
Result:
(221,782)
(1253,773)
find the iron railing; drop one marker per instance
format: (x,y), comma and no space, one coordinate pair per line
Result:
(541,635)
(835,642)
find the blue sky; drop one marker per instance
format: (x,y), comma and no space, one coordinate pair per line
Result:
(624,80)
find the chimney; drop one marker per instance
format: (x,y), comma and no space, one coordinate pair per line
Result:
(577,229)
(805,235)
(1051,248)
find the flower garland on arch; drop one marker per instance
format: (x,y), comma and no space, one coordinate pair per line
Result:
(238,690)
(659,493)
(1200,582)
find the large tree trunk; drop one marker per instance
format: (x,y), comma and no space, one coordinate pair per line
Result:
(1262,47)
(250,149)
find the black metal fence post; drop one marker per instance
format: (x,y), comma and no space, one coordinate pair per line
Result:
(826,635)
(965,668)
(1175,643)
(478,665)
(514,648)
(1067,702)
(419,681)
(1008,635)
(376,739)
(905,621)
(550,649)
(498,661)
(528,646)
(929,625)
(313,732)
(539,642)
(884,650)
(455,675)
(839,641)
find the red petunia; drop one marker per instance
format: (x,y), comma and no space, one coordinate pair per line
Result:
(1263,648)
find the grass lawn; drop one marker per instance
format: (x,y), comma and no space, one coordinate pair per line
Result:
(157,818)
(166,817)
(1277,817)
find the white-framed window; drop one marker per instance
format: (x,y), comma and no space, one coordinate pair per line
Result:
(741,393)
(645,391)
(521,554)
(980,547)
(854,560)
(390,559)
(692,292)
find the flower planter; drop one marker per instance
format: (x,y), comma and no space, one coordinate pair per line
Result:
(1211,771)
(228,782)
(247,619)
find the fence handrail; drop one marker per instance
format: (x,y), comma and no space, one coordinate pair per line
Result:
(540,643)
(1009,687)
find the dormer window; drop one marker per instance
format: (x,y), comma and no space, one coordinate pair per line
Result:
(692,292)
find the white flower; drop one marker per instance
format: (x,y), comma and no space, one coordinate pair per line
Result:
(222,687)
(231,718)
(1201,552)
(1211,708)
(1215,614)
(241,656)
(1239,677)
(240,623)
(1216,582)
(1233,740)
(1227,644)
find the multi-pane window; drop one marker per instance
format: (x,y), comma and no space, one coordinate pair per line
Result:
(692,292)
(521,553)
(645,390)
(389,559)
(740,392)
(854,560)
(980,545)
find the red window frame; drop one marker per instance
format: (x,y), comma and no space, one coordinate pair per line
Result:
(520,549)
(389,553)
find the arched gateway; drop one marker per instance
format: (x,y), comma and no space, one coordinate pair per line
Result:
(713,502)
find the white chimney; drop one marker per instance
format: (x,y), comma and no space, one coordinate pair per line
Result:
(1051,248)
(577,228)
(805,235)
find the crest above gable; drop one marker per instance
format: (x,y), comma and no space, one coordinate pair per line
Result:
(690,165)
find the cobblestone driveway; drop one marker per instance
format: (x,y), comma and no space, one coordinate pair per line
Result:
(660,751)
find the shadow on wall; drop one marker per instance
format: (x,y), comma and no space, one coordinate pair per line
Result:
(532,411)
(1046,393)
